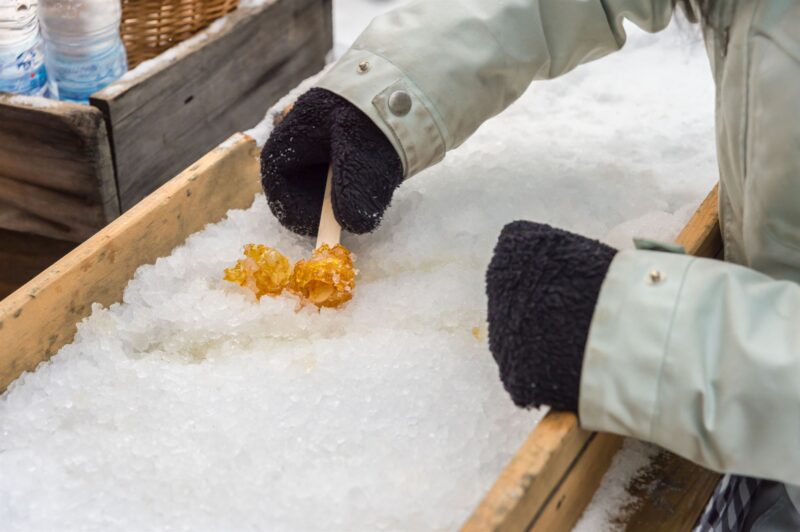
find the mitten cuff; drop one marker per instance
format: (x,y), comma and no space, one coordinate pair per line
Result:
(543,284)
(394,103)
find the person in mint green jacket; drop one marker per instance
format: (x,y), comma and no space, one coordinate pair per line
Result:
(699,356)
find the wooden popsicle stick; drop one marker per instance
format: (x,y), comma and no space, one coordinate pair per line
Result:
(330,232)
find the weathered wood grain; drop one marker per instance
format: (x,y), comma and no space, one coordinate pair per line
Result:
(56,171)
(555,473)
(669,495)
(177,111)
(702,236)
(23,256)
(40,317)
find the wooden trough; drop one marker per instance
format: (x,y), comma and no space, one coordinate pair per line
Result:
(546,485)
(67,170)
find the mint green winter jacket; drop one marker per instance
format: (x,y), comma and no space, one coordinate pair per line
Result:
(706,362)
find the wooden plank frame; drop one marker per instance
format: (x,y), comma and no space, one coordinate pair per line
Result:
(555,473)
(546,485)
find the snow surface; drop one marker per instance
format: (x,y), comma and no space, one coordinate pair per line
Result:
(191,406)
(35,102)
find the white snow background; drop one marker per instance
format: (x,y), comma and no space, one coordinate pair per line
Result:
(191,406)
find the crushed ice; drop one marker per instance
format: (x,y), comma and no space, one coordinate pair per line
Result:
(190,406)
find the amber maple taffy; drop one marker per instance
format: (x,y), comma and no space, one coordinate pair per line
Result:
(263,270)
(328,278)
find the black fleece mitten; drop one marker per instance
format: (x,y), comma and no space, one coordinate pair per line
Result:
(324,128)
(543,284)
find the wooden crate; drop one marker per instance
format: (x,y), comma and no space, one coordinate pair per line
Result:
(546,485)
(67,170)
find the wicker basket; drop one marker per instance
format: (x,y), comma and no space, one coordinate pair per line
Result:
(151,26)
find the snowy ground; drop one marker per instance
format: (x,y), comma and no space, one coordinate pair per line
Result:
(193,407)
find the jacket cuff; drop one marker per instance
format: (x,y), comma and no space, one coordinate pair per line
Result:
(394,103)
(626,351)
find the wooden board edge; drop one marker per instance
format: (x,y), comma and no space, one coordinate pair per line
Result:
(41,317)
(104,175)
(536,490)
(702,236)
(572,495)
(530,484)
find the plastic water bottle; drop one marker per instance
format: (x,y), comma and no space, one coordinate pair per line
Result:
(83,48)
(22,68)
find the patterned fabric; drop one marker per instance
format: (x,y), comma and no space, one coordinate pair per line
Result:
(728,507)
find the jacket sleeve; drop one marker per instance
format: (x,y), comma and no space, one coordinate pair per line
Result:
(704,361)
(430,73)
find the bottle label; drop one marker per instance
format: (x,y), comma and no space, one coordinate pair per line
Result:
(24,72)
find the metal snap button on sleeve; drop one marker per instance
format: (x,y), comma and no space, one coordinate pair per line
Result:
(400,103)
(656,277)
